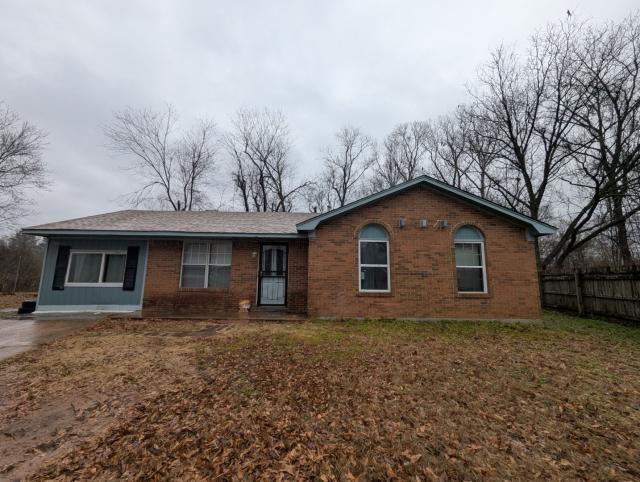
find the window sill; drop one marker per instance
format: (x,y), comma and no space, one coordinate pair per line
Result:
(375,294)
(473,295)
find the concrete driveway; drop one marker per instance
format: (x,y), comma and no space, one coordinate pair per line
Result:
(19,335)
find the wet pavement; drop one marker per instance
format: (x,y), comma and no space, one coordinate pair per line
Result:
(20,335)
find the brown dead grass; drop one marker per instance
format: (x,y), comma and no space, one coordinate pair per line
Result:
(337,401)
(15,300)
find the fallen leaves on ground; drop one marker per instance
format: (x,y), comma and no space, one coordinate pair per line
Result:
(15,300)
(349,400)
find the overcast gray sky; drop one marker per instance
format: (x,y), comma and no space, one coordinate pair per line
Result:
(68,66)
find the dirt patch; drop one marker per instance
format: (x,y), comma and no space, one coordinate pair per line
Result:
(205,332)
(335,401)
(55,428)
(66,391)
(13,301)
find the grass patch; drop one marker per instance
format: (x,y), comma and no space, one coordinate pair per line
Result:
(622,331)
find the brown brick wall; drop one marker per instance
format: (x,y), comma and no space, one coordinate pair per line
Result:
(297,282)
(164,297)
(423,283)
(323,272)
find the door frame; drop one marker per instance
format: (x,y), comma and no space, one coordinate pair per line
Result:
(286,273)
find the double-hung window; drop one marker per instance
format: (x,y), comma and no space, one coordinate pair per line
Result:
(373,254)
(96,268)
(206,264)
(470,263)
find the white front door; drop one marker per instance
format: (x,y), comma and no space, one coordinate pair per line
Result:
(273,274)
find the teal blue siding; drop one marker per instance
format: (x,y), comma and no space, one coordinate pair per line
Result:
(99,297)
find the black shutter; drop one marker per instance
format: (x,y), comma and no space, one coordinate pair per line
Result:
(131,268)
(60,271)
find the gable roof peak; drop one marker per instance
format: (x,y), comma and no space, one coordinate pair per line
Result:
(537,228)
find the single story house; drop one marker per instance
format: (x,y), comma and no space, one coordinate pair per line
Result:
(421,249)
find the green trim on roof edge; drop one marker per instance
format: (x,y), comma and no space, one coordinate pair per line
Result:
(539,228)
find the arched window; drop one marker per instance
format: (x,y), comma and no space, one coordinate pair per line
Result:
(373,255)
(470,263)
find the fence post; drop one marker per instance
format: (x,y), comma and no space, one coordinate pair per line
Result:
(579,294)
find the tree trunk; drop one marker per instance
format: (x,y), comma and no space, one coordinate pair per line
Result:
(621,235)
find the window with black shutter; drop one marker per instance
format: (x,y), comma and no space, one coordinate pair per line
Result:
(131,268)
(60,271)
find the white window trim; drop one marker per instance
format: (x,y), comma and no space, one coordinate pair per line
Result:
(367,265)
(99,284)
(206,266)
(483,267)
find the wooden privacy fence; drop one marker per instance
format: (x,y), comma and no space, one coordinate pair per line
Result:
(604,293)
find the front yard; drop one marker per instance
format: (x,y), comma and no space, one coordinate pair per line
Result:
(326,400)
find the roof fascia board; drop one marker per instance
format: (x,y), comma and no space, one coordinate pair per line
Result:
(311,224)
(157,234)
(537,227)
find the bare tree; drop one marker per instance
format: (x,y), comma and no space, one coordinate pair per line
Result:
(21,165)
(176,169)
(403,156)
(634,235)
(605,174)
(346,163)
(481,149)
(529,108)
(447,145)
(386,174)
(21,260)
(259,146)
(318,197)
(196,152)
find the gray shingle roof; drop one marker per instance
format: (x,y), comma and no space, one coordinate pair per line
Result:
(216,223)
(193,222)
